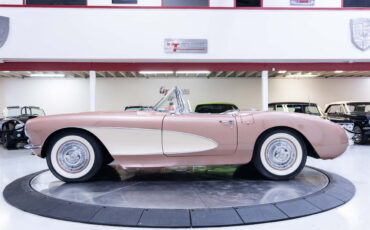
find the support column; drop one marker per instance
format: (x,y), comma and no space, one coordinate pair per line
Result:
(92,91)
(265,90)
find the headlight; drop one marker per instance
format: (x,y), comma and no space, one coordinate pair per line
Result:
(19,126)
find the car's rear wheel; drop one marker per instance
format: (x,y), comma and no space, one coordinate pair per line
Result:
(359,137)
(74,156)
(280,154)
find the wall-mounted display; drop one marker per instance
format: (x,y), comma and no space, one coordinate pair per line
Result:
(185,3)
(4,30)
(302,2)
(248,3)
(77,145)
(57,2)
(360,29)
(356,3)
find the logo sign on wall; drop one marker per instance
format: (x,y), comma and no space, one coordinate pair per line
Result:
(302,2)
(360,28)
(4,30)
(185,45)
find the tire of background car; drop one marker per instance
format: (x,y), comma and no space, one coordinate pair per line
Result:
(74,156)
(280,154)
(359,138)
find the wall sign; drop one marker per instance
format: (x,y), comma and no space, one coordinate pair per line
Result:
(302,2)
(186,45)
(4,30)
(360,28)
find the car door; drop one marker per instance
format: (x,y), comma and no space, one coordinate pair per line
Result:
(199,134)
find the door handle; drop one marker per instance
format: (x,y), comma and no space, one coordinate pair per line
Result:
(231,122)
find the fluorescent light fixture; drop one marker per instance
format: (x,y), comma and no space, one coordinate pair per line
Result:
(194,72)
(338,71)
(6,71)
(282,71)
(156,72)
(47,75)
(300,75)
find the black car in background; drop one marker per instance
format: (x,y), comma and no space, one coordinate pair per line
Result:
(296,107)
(356,112)
(138,108)
(215,107)
(12,125)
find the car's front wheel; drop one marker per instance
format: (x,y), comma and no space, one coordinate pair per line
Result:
(74,156)
(280,154)
(359,137)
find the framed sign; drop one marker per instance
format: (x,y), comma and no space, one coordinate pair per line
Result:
(185,45)
(302,2)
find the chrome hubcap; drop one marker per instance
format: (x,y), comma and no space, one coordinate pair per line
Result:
(73,156)
(358,135)
(281,154)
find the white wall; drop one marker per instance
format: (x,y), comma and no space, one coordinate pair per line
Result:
(318,3)
(54,95)
(128,35)
(116,93)
(71,95)
(321,91)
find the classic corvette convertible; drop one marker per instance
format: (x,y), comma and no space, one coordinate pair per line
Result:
(276,144)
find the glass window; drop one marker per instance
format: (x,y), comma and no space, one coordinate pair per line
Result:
(360,107)
(334,109)
(356,3)
(248,3)
(271,108)
(185,3)
(295,108)
(312,109)
(12,112)
(57,2)
(279,108)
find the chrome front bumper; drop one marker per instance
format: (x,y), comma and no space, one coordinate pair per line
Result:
(29,146)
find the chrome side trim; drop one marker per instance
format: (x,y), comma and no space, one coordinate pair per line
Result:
(29,146)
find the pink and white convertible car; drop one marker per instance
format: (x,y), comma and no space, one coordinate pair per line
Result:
(276,144)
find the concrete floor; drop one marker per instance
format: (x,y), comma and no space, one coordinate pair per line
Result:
(353,164)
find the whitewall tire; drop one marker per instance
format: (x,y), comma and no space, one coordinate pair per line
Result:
(280,154)
(74,156)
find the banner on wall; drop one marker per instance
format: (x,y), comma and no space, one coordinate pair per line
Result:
(4,30)
(302,2)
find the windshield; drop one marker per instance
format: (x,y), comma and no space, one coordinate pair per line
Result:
(12,112)
(37,112)
(359,107)
(172,102)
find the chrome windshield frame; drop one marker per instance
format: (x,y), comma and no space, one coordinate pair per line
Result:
(181,108)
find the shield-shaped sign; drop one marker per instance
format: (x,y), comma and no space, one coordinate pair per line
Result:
(4,30)
(361,33)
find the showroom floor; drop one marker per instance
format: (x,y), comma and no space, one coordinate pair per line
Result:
(354,165)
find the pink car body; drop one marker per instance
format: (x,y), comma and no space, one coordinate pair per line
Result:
(165,139)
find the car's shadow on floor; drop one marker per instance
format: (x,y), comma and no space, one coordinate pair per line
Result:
(115,172)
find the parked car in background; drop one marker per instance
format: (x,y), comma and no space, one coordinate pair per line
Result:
(357,113)
(215,107)
(309,108)
(12,124)
(138,108)
(297,107)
